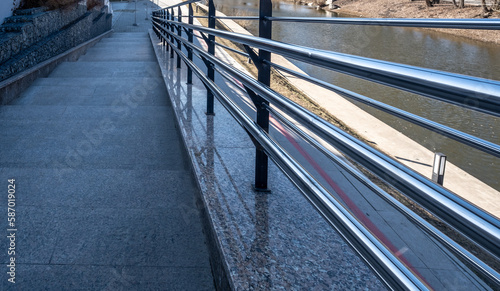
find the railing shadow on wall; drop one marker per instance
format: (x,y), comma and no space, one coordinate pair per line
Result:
(469,92)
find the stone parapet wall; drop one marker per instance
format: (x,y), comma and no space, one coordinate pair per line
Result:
(47,34)
(21,31)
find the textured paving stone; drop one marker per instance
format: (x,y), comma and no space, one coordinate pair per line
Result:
(105,199)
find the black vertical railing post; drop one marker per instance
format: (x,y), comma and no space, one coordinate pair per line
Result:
(152,23)
(179,33)
(190,39)
(167,27)
(172,31)
(164,18)
(264,76)
(211,50)
(164,15)
(160,23)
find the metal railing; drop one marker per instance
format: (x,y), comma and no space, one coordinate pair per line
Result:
(460,90)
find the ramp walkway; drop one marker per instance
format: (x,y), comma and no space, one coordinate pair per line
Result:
(105,199)
(97,163)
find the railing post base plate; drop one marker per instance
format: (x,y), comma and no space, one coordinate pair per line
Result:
(262,190)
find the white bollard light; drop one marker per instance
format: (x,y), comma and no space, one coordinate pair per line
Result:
(438,168)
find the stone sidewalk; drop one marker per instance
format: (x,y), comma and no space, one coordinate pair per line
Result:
(105,198)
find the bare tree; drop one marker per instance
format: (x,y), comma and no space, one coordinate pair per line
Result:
(485,8)
(431,3)
(496,5)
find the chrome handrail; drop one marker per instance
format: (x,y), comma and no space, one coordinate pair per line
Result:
(473,141)
(492,24)
(472,221)
(478,225)
(479,265)
(389,268)
(448,87)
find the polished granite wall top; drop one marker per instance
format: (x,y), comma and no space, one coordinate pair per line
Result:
(268,241)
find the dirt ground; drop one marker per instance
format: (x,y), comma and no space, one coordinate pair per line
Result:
(418,9)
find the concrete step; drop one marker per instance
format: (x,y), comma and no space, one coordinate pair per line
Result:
(122,39)
(118,54)
(131,35)
(106,69)
(124,45)
(40,135)
(123,42)
(95,91)
(97,82)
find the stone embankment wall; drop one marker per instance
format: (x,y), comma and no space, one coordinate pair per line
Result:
(34,35)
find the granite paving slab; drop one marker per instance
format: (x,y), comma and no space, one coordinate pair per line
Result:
(105,198)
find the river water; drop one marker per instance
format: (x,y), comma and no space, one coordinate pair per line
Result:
(410,46)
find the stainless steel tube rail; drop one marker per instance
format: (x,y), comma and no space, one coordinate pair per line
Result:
(230,17)
(225,47)
(473,222)
(457,135)
(457,89)
(468,219)
(490,24)
(479,266)
(389,268)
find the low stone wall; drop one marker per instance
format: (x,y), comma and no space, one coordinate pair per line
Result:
(46,35)
(32,25)
(12,88)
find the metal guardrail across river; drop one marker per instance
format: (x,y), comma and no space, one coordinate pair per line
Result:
(460,90)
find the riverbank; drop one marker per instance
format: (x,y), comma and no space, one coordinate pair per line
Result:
(414,9)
